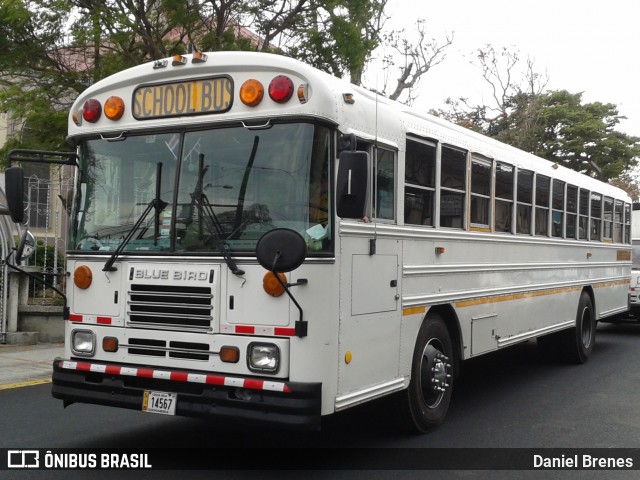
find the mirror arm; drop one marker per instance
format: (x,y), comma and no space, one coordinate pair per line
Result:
(301,326)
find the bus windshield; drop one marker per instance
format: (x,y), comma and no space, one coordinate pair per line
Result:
(216,189)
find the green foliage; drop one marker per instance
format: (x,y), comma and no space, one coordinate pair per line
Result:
(558,126)
(44,255)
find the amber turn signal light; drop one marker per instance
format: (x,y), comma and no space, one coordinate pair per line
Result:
(82,277)
(271,284)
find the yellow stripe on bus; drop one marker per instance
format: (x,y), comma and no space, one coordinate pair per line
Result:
(413,311)
(539,293)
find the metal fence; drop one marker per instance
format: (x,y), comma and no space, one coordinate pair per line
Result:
(47,191)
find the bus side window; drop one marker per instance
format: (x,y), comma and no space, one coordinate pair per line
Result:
(385,184)
(419,190)
(596,216)
(503,197)
(557,205)
(607,220)
(480,193)
(572,210)
(627,223)
(583,218)
(542,204)
(618,219)
(453,187)
(525,201)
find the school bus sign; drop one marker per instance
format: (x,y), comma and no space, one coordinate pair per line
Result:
(195,97)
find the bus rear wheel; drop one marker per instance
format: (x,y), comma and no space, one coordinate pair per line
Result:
(424,404)
(580,339)
(575,344)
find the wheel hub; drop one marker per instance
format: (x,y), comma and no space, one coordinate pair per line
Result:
(435,373)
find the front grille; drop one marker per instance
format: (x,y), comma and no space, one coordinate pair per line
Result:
(159,348)
(170,307)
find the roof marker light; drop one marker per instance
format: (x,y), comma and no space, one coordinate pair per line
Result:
(348,98)
(303,92)
(77,118)
(92,110)
(198,57)
(160,64)
(178,60)
(281,89)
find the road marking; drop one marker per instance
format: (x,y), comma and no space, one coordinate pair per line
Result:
(26,383)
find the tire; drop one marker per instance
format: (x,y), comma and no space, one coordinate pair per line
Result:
(579,341)
(574,345)
(424,404)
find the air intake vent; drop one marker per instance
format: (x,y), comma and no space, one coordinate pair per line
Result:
(170,307)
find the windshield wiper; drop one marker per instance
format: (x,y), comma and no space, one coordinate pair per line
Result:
(204,206)
(157,204)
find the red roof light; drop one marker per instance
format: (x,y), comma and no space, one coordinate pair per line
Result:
(281,89)
(92,110)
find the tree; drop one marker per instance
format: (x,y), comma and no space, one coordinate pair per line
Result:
(555,125)
(416,58)
(48,59)
(582,136)
(339,36)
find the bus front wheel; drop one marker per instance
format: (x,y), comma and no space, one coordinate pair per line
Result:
(424,404)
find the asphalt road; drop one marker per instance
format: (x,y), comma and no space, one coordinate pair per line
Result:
(511,399)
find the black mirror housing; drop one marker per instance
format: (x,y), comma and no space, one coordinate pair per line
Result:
(14,186)
(351,184)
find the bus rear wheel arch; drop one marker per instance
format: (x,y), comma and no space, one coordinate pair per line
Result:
(574,345)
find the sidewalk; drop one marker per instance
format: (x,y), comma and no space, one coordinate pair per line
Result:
(27,364)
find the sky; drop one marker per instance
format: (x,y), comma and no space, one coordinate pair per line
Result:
(583,46)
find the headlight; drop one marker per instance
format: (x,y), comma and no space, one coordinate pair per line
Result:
(263,357)
(83,342)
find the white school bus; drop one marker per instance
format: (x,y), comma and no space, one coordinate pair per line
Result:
(252,239)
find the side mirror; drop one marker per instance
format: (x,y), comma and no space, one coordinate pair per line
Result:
(351,184)
(14,186)
(281,250)
(26,247)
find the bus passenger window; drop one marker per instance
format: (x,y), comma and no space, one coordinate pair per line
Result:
(596,216)
(452,187)
(584,215)
(504,197)
(627,223)
(618,218)
(480,192)
(385,185)
(419,191)
(557,214)
(542,204)
(572,210)
(525,201)
(607,220)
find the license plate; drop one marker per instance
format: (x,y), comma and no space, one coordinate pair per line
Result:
(159,402)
